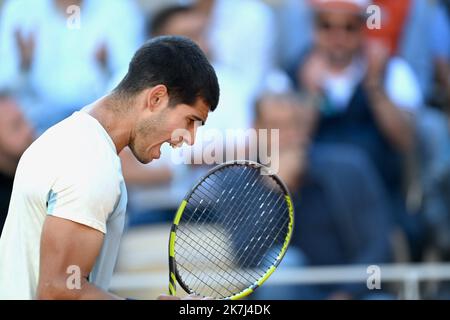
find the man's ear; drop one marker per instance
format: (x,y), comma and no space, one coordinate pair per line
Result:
(157,97)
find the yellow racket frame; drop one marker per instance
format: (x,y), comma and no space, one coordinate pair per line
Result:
(174,277)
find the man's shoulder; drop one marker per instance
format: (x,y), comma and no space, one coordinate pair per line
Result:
(74,145)
(341,164)
(81,134)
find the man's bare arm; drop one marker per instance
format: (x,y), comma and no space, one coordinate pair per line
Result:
(395,124)
(66,243)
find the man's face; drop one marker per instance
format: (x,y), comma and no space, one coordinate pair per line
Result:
(296,123)
(190,24)
(339,35)
(16,134)
(171,124)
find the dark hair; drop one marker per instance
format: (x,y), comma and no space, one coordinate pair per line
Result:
(179,64)
(160,20)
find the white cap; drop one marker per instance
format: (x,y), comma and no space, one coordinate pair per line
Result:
(354,6)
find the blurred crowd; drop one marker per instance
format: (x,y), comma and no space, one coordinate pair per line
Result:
(363,112)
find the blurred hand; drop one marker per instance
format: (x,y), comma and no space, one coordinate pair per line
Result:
(26,48)
(312,73)
(377,54)
(102,55)
(16,134)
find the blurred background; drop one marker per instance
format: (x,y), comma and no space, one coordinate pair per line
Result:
(363,115)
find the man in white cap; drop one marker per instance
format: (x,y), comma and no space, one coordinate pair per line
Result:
(367,98)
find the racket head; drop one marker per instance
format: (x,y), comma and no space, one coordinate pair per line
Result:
(215,246)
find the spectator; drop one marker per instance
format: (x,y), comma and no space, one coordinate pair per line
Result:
(61,52)
(338,198)
(367,99)
(434,154)
(425,45)
(295,21)
(190,22)
(241,36)
(15,136)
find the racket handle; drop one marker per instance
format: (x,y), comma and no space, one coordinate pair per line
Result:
(172,285)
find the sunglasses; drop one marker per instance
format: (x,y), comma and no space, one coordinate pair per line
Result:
(349,27)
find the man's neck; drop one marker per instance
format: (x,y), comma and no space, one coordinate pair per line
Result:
(116,123)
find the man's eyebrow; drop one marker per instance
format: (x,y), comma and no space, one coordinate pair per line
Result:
(197,118)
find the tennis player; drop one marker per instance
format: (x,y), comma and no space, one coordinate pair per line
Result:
(68,203)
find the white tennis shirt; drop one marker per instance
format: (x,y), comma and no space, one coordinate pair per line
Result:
(73,172)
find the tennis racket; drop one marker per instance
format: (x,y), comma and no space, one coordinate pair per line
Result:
(230,232)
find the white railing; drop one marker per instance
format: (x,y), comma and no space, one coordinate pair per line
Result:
(409,275)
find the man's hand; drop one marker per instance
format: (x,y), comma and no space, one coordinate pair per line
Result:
(26,48)
(312,73)
(377,54)
(394,123)
(102,56)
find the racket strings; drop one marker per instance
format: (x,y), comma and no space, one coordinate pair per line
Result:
(233,260)
(260,198)
(271,257)
(241,279)
(212,239)
(225,261)
(233,227)
(228,173)
(231,209)
(249,236)
(198,203)
(231,232)
(226,253)
(218,210)
(204,271)
(221,218)
(262,244)
(260,247)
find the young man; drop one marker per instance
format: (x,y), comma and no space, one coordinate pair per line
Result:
(68,202)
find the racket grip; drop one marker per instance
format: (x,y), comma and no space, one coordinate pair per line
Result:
(172,285)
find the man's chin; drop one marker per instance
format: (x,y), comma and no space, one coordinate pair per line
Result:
(143,160)
(146,161)
(147,155)
(149,159)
